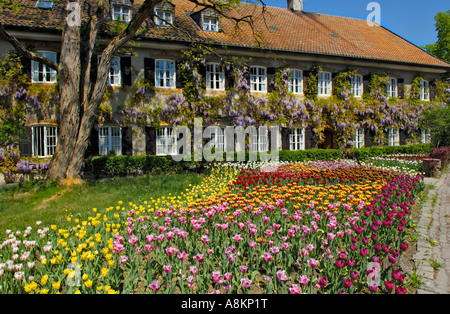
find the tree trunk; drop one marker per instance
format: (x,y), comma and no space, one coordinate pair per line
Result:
(69,72)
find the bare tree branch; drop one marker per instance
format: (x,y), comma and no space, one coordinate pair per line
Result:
(22,50)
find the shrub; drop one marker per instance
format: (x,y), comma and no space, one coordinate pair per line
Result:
(442,153)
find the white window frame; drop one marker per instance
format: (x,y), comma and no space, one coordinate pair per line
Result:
(357,86)
(166,141)
(425,136)
(324,82)
(215,77)
(165,73)
(392,87)
(296,81)
(393,137)
(359,138)
(258,79)
(164,17)
(118,13)
(115,75)
(216,137)
(48,75)
(210,23)
(260,140)
(110,139)
(44,139)
(425,90)
(297,139)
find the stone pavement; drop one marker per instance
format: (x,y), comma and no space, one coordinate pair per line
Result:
(433,248)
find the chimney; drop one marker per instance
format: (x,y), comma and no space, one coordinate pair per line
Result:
(295,5)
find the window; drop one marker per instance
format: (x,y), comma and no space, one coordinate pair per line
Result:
(216,136)
(44,139)
(165,73)
(358,140)
(258,79)
(424,90)
(166,143)
(260,141)
(297,139)
(214,77)
(425,136)
(357,85)
(121,13)
(210,23)
(393,137)
(296,82)
(324,82)
(114,73)
(40,72)
(164,17)
(110,140)
(392,90)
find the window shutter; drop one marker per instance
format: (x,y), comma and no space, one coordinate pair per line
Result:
(94,65)
(270,78)
(229,79)
(432,87)
(92,149)
(284,139)
(179,79)
(368,138)
(150,140)
(25,145)
(402,137)
(401,88)
(149,70)
(309,138)
(26,66)
(202,72)
(366,84)
(127,141)
(125,70)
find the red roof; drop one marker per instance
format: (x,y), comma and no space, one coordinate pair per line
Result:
(278,29)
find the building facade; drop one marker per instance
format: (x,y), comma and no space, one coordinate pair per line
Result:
(146,76)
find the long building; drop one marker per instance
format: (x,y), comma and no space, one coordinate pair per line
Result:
(305,43)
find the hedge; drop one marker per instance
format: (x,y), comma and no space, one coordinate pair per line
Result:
(106,166)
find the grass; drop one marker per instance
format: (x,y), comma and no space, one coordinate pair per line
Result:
(28,202)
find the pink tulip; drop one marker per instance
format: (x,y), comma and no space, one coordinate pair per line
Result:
(295,289)
(182,256)
(237,237)
(245,282)
(215,276)
(193,270)
(167,268)
(154,285)
(313,263)
(267,257)
(303,280)
(199,257)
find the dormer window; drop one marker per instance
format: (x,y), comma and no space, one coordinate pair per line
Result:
(210,23)
(164,14)
(121,13)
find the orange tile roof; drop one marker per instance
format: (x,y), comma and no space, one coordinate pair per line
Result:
(298,32)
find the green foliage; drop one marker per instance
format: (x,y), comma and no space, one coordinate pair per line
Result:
(366,152)
(441,48)
(9,157)
(311,84)
(438,121)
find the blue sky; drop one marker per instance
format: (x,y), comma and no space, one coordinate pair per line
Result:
(410,19)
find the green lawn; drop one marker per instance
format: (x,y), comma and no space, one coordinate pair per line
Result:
(23,205)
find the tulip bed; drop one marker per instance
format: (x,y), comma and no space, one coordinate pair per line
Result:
(317,227)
